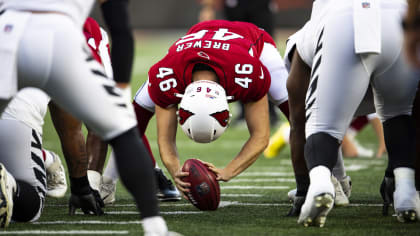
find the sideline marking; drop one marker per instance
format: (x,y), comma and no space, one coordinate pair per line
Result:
(43,232)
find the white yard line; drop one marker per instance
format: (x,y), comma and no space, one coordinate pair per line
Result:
(137,213)
(88,222)
(356,167)
(254,187)
(279,173)
(240,195)
(60,232)
(240,180)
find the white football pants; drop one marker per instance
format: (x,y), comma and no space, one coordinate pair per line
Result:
(340,77)
(52,55)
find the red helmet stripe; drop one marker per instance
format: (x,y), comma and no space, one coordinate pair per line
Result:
(184,115)
(222,117)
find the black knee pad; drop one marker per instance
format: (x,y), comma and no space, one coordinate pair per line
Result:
(321,149)
(26,203)
(400,141)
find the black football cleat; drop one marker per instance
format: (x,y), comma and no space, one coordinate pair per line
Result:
(297,206)
(167,192)
(387,191)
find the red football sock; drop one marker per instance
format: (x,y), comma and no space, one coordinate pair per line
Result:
(359,123)
(143,117)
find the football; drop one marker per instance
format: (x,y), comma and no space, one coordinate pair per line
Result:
(204,191)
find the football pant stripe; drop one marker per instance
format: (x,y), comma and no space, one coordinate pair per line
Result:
(38,160)
(319,43)
(99,73)
(37,143)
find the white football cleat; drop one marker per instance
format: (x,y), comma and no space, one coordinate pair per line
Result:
(95,179)
(292,194)
(107,190)
(56,177)
(341,198)
(346,185)
(7,188)
(315,210)
(407,205)
(406,199)
(319,199)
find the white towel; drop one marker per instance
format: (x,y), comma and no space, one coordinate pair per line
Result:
(367,26)
(12,25)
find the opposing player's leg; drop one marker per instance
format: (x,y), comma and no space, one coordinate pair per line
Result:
(297,85)
(330,92)
(22,159)
(394,99)
(144,108)
(77,83)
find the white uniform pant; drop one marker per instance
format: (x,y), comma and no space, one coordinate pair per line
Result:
(53,56)
(21,154)
(340,78)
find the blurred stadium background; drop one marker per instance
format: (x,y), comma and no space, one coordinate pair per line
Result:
(182,14)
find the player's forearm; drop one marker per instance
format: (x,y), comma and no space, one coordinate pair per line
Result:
(297,85)
(247,156)
(72,140)
(256,115)
(166,121)
(169,157)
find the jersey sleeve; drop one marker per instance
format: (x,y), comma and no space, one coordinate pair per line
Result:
(259,86)
(163,86)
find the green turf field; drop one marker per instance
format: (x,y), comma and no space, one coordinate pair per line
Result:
(254,203)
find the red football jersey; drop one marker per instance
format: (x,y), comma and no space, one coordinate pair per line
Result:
(93,36)
(231,49)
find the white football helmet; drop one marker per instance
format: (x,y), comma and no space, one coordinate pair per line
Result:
(204,111)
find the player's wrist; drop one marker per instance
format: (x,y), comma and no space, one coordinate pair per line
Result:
(80,185)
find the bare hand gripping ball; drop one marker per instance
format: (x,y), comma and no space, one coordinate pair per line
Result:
(204,191)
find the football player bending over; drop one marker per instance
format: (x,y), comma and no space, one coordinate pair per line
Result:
(236,57)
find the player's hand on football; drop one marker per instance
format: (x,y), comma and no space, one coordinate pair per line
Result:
(181,185)
(91,204)
(221,174)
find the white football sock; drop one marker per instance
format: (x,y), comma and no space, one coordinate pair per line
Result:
(320,177)
(94,179)
(404,178)
(405,195)
(339,170)
(155,226)
(111,171)
(49,159)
